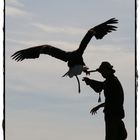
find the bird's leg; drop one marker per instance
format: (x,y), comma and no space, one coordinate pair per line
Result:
(85,70)
(79,90)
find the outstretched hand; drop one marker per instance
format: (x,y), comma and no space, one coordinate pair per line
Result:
(94,110)
(86,80)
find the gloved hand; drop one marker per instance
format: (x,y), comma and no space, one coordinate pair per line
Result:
(86,80)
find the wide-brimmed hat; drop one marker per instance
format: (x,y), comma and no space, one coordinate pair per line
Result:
(105,66)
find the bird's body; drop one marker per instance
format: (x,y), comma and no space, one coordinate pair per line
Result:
(75,63)
(74,59)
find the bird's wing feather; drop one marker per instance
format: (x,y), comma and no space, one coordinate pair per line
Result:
(99,32)
(34,52)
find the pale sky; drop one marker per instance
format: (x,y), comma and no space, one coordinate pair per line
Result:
(40,104)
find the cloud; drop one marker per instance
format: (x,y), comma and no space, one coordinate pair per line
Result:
(66,30)
(15,8)
(14,11)
(14,3)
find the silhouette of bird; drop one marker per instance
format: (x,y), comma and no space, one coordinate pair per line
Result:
(74,59)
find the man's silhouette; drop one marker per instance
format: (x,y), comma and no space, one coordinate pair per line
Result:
(113,105)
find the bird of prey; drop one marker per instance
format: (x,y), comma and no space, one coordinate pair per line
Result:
(74,58)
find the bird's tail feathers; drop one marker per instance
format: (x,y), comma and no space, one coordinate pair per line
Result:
(66,74)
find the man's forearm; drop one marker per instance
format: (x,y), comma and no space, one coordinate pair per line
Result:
(96,85)
(101,105)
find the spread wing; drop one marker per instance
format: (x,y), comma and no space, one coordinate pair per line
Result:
(34,52)
(99,32)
